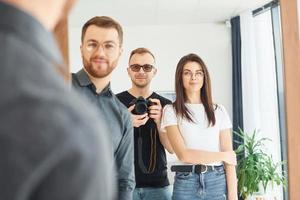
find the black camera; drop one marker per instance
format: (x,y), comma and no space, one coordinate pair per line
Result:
(141,105)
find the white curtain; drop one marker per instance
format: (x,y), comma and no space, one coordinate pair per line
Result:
(260,106)
(251,106)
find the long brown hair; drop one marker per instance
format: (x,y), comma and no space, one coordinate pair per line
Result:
(205,93)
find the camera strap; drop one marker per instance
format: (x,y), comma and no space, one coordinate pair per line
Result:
(152,159)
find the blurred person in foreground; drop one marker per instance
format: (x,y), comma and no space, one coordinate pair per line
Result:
(52,144)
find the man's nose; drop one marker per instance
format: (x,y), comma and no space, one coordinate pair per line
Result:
(100,50)
(141,70)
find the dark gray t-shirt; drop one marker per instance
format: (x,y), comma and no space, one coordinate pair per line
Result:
(150,168)
(52,144)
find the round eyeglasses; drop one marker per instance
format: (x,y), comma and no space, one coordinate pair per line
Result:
(190,74)
(107,47)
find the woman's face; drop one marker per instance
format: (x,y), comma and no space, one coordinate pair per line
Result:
(192,76)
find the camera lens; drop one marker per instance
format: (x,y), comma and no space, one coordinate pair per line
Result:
(141,107)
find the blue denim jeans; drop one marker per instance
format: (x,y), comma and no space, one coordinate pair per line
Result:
(205,186)
(163,193)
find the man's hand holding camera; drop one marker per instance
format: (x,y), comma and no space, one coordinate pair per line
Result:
(155,111)
(141,110)
(138,120)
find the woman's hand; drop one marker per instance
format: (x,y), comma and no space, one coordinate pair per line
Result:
(232,197)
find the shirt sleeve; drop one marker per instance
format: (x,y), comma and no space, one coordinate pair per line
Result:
(225,122)
(125,161)
(168,117)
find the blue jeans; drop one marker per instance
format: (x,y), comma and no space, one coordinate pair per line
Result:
(205,186)
(163,193)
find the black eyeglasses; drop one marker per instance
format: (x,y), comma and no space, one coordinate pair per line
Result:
(137,67)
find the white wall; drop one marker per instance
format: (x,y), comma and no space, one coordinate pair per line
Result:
(169,43)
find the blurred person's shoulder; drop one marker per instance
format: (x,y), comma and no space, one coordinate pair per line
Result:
(42,123)
(50,124)
(36,102)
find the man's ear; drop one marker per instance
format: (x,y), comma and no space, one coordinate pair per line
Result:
(155,70)
(121,51)
(81,50)
(69,4)
(128,71)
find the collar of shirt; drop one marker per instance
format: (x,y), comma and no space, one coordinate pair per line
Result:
(84,81)
(30,31)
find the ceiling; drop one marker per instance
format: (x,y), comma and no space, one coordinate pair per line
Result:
(162,12)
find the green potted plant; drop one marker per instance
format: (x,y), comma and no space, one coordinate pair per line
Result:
(255,167)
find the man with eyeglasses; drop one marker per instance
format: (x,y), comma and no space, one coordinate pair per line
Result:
(101,47)
(149,154)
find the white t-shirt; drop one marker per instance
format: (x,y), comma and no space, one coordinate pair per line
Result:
(198,135)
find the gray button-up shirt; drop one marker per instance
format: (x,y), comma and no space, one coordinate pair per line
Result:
(53,145)
(120,126)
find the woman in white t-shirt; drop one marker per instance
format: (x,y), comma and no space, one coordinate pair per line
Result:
(199,132)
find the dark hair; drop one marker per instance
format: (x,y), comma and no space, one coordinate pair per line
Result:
(103,22)
(205,94)
(141,50)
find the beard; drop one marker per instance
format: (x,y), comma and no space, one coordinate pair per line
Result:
(99,70)
(141,84)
